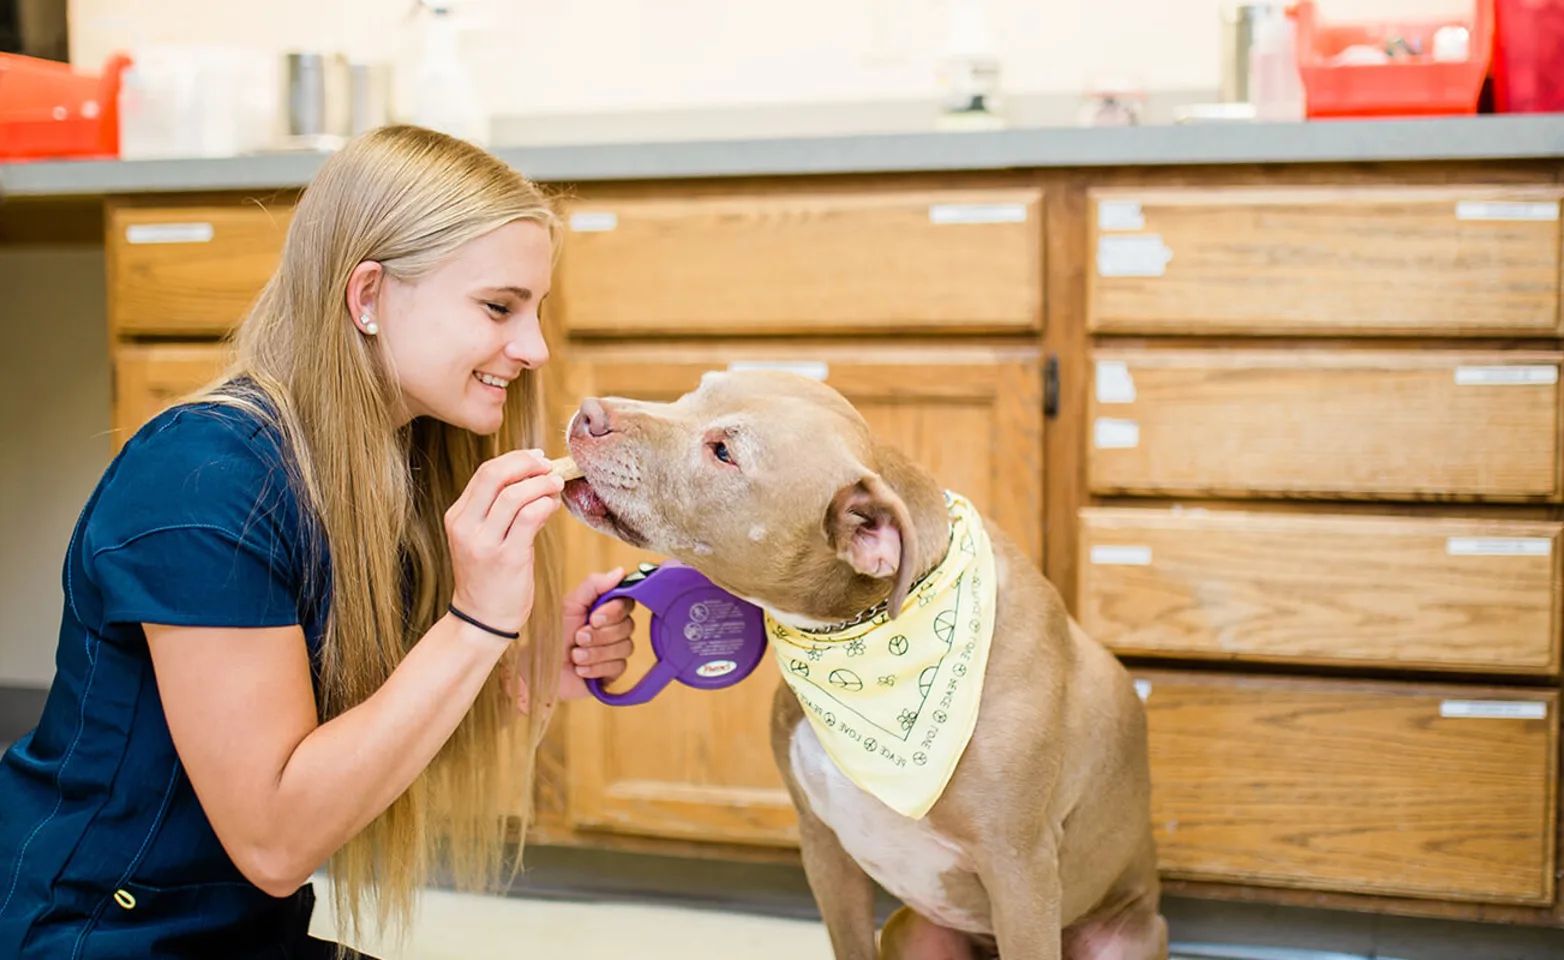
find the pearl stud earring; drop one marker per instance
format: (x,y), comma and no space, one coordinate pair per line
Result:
(370,326)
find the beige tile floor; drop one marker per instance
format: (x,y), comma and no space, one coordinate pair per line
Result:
(456,926)
(459,926)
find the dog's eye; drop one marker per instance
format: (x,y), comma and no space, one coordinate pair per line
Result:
(720,451)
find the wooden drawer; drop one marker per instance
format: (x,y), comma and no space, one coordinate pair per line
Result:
(1395,789)
(189,270)
(1423,424)
(921,260)
(147,378)
(1410,592)
(1446,260)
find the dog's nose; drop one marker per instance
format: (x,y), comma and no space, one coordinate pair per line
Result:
(592,420)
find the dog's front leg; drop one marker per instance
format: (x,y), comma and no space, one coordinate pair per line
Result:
(842,890)
(1024,894)
(844,893)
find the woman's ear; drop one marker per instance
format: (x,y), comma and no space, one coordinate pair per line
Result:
(363,297)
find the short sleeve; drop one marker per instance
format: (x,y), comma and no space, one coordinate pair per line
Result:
(197,526)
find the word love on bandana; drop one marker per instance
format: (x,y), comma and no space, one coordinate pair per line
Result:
(894,702)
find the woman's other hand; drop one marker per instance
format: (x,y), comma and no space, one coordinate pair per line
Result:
(597,642)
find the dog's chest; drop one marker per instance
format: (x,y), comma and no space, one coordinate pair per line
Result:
(911,860)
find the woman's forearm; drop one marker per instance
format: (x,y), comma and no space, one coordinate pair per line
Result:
(349,770)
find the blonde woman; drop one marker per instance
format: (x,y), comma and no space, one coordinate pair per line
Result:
(310,615)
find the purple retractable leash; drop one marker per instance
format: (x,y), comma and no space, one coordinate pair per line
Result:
(702,635)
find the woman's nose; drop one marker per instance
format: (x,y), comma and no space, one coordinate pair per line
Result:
(528,347)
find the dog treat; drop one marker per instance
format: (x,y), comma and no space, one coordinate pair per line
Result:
(565,467)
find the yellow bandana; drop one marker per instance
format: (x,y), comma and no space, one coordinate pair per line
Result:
(894,702)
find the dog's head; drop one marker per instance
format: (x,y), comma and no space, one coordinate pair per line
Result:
(768,482)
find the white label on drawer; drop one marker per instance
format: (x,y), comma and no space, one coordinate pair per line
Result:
(1539,374)
(977,213)
(1506,210)
(1494,709)
(1499,546)
(1143,689)
(168,233)
(594,221)
(1111,434)
(1114,383)
(1143,255)
(808,368)
(1120,556)
(1120,215)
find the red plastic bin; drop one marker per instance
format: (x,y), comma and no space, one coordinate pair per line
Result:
(1405,86)
(50,111)
(1528,56)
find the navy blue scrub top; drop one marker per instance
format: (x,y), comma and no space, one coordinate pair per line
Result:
(104,848)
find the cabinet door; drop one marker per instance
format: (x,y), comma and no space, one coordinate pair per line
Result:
(786,262)
(148,377)
(1398,789)
(1474,260)
(697,764)
(189,270)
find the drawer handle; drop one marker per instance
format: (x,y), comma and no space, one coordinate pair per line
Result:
(1507,210)
(808,368)
(944,213)
(1121,556)
(168,233)
(1499,546)
(1540,374)
(593,221)
(1494,709)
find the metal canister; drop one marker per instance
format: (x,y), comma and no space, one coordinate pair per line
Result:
(1238,31)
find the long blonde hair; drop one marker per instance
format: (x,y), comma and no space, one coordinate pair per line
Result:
(375,493)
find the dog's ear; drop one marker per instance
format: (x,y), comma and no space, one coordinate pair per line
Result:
(868,526)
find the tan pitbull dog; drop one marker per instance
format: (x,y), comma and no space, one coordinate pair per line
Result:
(1040,846)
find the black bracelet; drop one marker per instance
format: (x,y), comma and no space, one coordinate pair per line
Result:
(484,626)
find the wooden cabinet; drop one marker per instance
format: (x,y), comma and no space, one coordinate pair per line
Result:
(149,377)
(1443,792)
(1472,260)
(1333,772)
(189,270)
(697,764)
(869,260)
(1323,589)
(1328,722)
(1412,424)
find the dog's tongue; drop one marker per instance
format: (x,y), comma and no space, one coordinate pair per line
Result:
(585,499)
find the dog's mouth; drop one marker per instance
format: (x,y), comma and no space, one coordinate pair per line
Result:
(588,505)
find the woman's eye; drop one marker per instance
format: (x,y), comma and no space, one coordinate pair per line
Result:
(720,451)
(499,310)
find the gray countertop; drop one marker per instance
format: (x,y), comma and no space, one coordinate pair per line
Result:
(1487,137)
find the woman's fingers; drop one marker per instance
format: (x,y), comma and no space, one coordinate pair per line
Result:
(606,661)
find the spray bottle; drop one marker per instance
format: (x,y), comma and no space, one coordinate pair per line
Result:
(444,95)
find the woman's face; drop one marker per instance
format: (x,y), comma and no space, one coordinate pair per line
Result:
(459,336)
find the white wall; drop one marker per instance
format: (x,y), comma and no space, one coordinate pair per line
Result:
(576,56)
